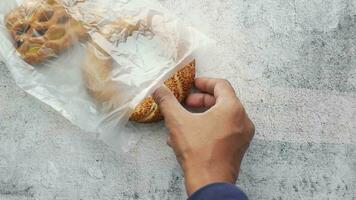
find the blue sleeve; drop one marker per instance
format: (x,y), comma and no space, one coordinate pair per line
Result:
(219,191)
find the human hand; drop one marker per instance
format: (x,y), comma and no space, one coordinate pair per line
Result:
(209,146)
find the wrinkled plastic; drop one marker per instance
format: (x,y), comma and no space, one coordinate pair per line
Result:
(149,48)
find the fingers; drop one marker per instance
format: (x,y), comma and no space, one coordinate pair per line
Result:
(200,100)
(168,104)
(217,87)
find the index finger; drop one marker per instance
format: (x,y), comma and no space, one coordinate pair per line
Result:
(220,88)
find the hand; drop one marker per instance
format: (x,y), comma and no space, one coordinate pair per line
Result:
(209,146)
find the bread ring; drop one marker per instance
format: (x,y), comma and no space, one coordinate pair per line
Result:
(97,68)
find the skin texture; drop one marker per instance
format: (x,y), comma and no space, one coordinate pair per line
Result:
(209,146)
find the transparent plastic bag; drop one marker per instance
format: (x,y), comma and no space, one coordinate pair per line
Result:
(58,50)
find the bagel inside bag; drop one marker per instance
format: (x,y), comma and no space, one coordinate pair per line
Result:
(97,62)
(98,66)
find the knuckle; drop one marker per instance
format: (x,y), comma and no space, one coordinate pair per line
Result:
(160,95)
(237,108)
(224,82)
(226,85)
(175,131)
(227,82)
(248,128)
(245,129)
(162,98)
(169,142)
(251,128)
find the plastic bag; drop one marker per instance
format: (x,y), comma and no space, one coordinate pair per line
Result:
(44,43)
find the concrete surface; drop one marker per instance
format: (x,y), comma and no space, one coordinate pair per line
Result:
(293,64)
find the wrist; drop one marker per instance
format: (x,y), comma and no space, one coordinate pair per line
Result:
(200,175)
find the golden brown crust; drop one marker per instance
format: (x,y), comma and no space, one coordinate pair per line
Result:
(97,71)
(180,83)
(42,29)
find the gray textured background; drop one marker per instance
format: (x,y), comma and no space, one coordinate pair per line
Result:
(293,63)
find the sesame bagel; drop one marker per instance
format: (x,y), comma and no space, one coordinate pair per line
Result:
(180,84)
(97,69)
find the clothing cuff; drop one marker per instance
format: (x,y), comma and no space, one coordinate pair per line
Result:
(221,191)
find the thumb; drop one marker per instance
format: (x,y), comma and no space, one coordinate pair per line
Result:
(168,103)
